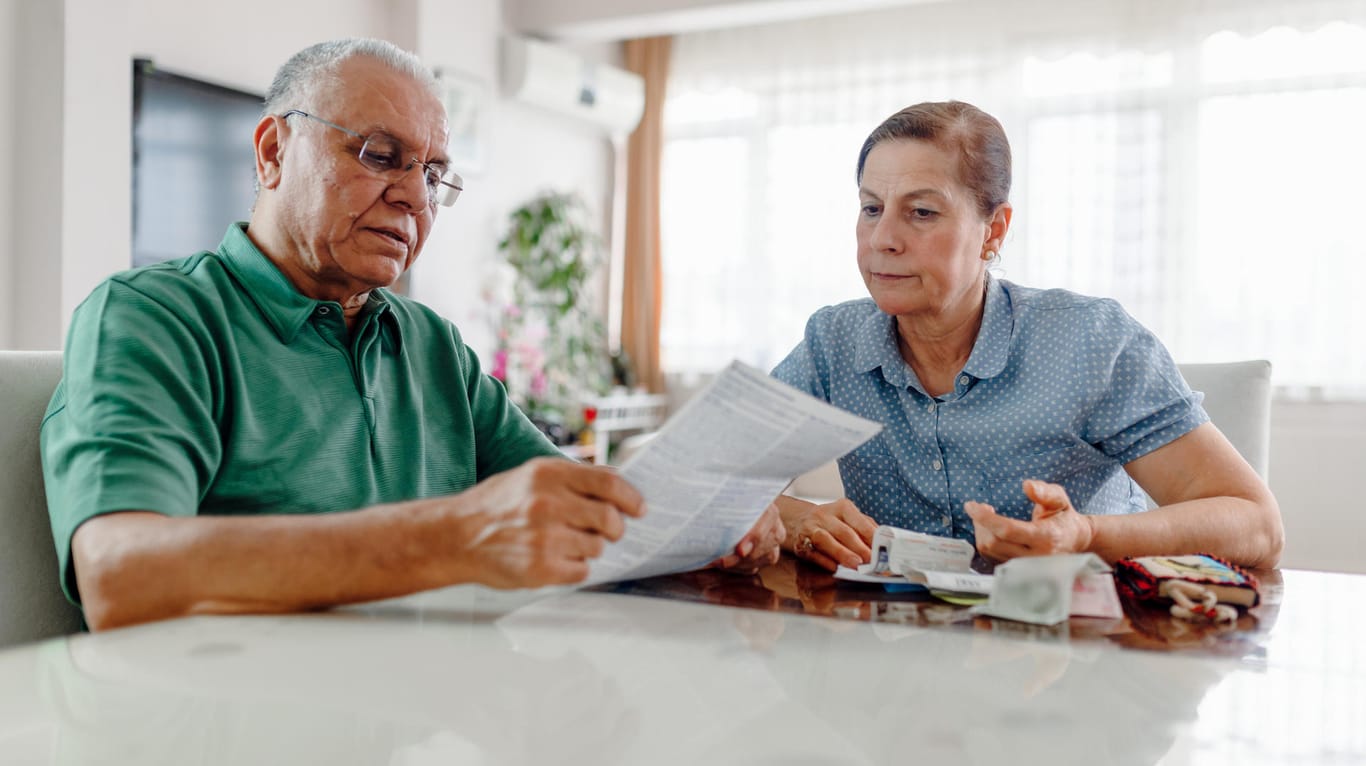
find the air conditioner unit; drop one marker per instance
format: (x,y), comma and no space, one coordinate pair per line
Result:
(558,79)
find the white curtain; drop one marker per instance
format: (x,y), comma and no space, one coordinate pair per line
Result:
(1201,162)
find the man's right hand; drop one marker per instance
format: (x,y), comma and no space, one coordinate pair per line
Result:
(538,524)
(535,525)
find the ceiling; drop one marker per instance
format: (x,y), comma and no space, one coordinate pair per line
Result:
(608,20)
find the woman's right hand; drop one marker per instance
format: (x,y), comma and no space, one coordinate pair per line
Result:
(828,535)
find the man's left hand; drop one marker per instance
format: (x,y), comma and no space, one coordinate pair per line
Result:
(759,547)
(1056,527)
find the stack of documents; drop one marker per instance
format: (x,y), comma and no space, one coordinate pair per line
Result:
(941,564)
(1043,590)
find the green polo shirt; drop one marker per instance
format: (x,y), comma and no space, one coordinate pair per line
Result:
(210,385)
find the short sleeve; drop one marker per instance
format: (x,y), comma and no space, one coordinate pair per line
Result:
(1146,404)
(801,368)
(131,425)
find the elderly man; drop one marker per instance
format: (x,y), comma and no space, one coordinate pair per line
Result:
(264,428)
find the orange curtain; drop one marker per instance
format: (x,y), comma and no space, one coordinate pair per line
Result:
(642,277)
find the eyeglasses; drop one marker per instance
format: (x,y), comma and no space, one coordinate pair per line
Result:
(383,154)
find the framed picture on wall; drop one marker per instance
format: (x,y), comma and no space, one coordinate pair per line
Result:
(466,100)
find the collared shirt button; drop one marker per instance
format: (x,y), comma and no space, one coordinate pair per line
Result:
(948,520)
(324,311)
(932,405)
(962,380)
(937,464)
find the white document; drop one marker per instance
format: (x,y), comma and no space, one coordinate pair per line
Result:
(903,551)
(937,563)
(714,467)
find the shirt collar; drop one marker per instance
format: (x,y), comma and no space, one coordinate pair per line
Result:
(875,346)
(283,306)
(875,341)
(991,350)
(381,305)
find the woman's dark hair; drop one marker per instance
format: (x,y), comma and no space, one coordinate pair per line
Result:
(983,151)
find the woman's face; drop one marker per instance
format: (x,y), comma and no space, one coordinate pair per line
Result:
(921,238)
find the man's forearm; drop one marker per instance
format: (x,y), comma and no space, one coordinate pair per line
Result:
(136,566)
(538,524)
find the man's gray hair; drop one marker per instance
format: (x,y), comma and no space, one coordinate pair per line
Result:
(314,69)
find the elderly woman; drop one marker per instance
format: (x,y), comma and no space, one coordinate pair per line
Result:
(1024,420)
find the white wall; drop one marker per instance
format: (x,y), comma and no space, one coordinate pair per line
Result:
(36,177)
(242,43)
(64,178)
(526,151)
(1318,453)
(97,92)
(9,24)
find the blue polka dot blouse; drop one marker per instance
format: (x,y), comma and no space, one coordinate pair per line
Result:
(1060,387)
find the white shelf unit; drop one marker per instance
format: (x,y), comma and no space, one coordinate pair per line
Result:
(625,412)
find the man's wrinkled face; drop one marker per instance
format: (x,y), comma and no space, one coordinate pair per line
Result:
(350,228)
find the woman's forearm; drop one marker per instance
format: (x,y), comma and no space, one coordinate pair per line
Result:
(1246,531)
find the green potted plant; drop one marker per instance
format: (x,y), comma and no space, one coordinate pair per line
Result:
(552,346)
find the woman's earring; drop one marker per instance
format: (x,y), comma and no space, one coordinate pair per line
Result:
(989,255)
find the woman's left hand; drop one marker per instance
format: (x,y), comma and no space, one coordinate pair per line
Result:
(759,547)
(1056,527)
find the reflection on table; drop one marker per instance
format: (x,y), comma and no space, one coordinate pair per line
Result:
(795,587)
(805,670)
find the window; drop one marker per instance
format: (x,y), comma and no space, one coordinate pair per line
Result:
(1196,161)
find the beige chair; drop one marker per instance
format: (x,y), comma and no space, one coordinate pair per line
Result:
(31,602)
(1237,398)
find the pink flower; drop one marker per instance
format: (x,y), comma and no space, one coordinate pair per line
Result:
(538,383)
(500,365)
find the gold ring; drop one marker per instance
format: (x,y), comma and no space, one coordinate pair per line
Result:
(804,546)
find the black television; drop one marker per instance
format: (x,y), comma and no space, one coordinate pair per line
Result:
(194,168)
